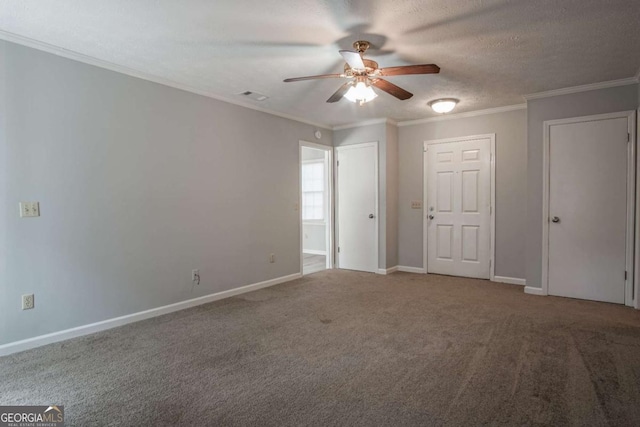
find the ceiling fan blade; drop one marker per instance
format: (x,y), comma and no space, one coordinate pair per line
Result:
(353,59)
(391,89)
(337,96)
(321,76)
(410,69)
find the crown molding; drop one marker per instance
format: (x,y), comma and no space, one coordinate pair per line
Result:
(90,60)
(464,115)
(583,88)
(366,123)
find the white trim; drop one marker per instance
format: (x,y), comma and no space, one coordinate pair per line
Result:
(510,280)
(531,290)
(636,279)
(316,145)
(91,328)
(377,190)
(69,54)
(311,161)
(387,270)
(492,211)
(313,252)
(329,219)
(631,196)
(314,222)
(630,290)
(365,123)
(407,269)
(492,202)
(582,88)
(464,115)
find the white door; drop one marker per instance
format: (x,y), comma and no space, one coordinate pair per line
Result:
(458,175)
(357,178)
(588,209)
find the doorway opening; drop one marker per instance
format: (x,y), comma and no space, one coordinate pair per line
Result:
(316,222)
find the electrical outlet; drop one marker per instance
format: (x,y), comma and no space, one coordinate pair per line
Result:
(416,204)
(272,258)
(29,209)
(27,302)
(195,276)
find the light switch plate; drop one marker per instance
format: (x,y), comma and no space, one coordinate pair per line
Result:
(25,209)
(416,204)
(29,209)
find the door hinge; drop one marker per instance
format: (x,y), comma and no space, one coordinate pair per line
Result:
(625,275)
(338,163)
(628,137)
(338,249)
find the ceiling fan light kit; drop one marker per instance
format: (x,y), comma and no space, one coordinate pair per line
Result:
(444,105)
(364,73)
(360,93)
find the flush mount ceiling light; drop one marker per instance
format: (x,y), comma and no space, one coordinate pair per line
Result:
(444,105)
(361,93)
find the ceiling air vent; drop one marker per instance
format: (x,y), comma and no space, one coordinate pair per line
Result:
(254,95)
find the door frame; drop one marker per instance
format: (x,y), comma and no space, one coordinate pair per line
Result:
(492,197)
(377,191)
(630,298)
(329,232)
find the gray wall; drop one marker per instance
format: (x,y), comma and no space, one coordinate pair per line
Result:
(138,184)
(372,133)
(611,100)
(511,163)
(393,188)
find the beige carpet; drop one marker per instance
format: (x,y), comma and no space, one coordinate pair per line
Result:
(346,348)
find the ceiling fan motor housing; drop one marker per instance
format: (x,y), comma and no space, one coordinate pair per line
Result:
(370,68)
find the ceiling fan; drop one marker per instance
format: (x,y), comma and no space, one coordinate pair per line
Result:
(364,73)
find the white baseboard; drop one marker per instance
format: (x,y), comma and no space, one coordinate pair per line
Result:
(510,280)
(314,252)
(533,291)
(41,340)
(388,270)
(406,269)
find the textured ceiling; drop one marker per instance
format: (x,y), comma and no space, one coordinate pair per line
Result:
(491,52)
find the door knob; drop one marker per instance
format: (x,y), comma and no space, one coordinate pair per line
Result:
(555,219)
(370,215)
(431,216)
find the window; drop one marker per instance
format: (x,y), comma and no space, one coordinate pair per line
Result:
(313,191)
